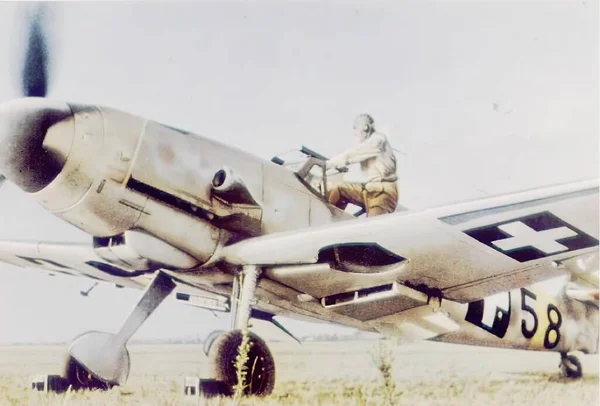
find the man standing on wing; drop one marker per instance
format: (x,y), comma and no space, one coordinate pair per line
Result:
(379,194)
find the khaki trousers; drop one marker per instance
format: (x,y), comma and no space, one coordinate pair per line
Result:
(375,197)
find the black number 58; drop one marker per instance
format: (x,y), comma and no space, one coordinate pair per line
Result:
(552,335)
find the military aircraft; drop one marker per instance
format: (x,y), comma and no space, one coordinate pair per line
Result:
(176,214)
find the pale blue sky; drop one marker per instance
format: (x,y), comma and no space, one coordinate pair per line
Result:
(483,97)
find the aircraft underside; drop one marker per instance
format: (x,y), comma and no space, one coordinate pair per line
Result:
(101,360)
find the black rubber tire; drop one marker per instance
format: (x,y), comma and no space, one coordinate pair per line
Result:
(80,378)
(260,378)
(571,367)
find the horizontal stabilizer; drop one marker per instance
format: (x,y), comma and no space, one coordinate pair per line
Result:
(584,295)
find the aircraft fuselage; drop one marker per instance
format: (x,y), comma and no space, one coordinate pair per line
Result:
(126,176)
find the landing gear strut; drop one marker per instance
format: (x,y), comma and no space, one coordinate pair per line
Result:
(260,366)
(101,360)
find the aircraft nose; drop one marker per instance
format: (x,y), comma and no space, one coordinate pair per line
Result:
(23,126)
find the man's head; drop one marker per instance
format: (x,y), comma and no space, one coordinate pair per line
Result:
(364,125)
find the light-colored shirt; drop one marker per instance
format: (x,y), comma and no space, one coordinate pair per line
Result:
(375,155)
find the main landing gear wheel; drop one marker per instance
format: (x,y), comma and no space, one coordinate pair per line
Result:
(570,366)
(260,376)
(80,378)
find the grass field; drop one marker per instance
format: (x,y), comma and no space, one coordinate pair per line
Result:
(337,373)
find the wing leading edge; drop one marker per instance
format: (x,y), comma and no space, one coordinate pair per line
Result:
(81,260)
(465,251)
(69,259)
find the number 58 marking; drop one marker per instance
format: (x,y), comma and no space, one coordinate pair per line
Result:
(552,335)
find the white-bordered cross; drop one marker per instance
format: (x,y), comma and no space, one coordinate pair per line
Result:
(525,236)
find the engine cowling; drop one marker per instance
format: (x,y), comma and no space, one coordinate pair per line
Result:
(122,172)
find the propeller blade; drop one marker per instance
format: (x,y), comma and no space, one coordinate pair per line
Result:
(36,66)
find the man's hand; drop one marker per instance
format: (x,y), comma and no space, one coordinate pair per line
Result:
(337,162)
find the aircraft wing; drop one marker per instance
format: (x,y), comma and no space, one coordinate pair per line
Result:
(464,251)
(358,271)
(67,258)
(82,260)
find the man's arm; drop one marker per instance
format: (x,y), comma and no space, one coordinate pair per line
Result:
(367,149)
